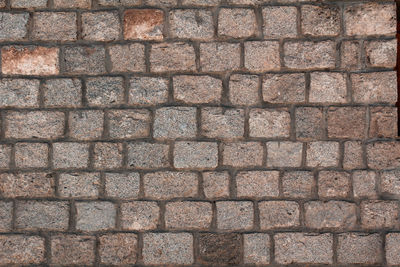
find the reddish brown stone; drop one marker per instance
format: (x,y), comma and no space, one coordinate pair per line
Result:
(21,250)
(145,24)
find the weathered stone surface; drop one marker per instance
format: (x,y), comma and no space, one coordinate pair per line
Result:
(31,155)
(33,185)
(320,20)
(188,215)
(197,89)
(237,23)
(350,54)
(84,59)
(278,214)
(257,184)
(118,249)
(379,214)
(280,21)
(383,122)
(72,3)
(127,58)
(364,184)
(309,123)
(191,23)
(390,183)
(195,155)
(242,154)
(72,249)
(374,87)
(140,215)
(219,56)
(172,57)
(28,3)
(328,87)
(381,53)
(5,156)
(347,122)
(107,155)
(234,215)
(243,89)
(333,184)
(101,91)
(322,154)
(148,155)
(284,154)
(94,216)
(261,56)
(148,91)
(220,249)
(62,93)
(13,26)
(305,55)
(353,155)
(256,248)
(143,24)
(122,185)
(86,124)
(383,155)
(269,123)
(175,122)
(100,26)
(129,123)
(222,123)
(284,88)
(392,249)
(70,155)
(359,248)
(6,208)
(21,249)
(52,26)
(19,93)
(339,215)
(79,185)
(216,184)
(298,184)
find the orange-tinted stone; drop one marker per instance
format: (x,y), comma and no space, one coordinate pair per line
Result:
(146,24)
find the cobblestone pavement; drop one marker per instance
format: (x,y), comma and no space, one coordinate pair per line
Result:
(198,132)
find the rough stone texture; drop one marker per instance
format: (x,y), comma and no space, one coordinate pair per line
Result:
(195,155)
(28,3)
(353,155)
(107,155)
(278,214)
(392,249)
(139,215)
(175,122)
(168,248)
(280,21)
(54,26)
(284,154)
(102,91)
(191,23)
(350,54)
(86,124)
(118,249)
(305,55)
(383,155)
(143,24)
(284,88)
(383,122)
(30,60)
(84,59)
(122,185)
(100,26)
(148,155)
(219,56)
(303,248)
(220,249)
(237,23)
(243,154)
(261,56)
(309,121)
(31,155)
(374,87)
(379,214)
(62,93)
(364,184)
(298,184)
(118,2)
(72,249)
(70,155)
(216,184)
(322,154)
(5,216)
(257,184)
(381,53)
(234,215)
(333,184)
(172,57)
(127,58)
(359,248)
(222,123)
(94,216)
(21,250)
(148,91)
(243,89)
(269,123)
(125,123)
(5,156)
(332,214)
(346,122)
(328,87)
(79,185)
(390,183)
(13,26)
(197,89)
(256,248)
(19,93)
(188,215)
(72,3)
(320,20)
(34,184)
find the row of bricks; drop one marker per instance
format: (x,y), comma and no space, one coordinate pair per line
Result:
(214,58)
(242,90)
(148,24)
(227,124)
(255,184)
(204,248)
(198,215)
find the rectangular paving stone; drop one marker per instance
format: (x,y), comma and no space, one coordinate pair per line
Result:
(6,209)
(79,185)
(95,216)
(279,214)
(195,155)
(21,249)
(118,249)
(53,26)
(257,184)
(129,123)
(140,215)
(235,215)
(220,249)
(122,185)
(13,26)
(256,248)
(69,249)
(359,248)
(29,184)
(188,215)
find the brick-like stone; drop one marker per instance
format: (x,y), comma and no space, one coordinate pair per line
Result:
(269,123)
(200,2)
(79,185)
(243,89)
(111,3)
(261,56)
(166,185)
(21,249)
(148,91)
(322,154)
(390,183)
(127,58)
(381,53)
(374,87)
(309,123)
(34,185)
(220,249)
(62,93)
(197,89)
(168,248)
(143,24)
(347,122)
(134,123)
(383,155)
(163,3)
(70,155)
(84,59)
(383,122)
(310,248)
(353,155)
(328,87)
(237,22)
(28,3)
(219,56)
(332,214)
(216,184)
(86,124)
(175,122)
(235,215)
(350,54)
(148,155)
(41,215)
(278,214)
(392,249)
(381,16)
(94,216)
(379,214)
(34,124)
(5,216)
(243,154)
(31,155)
(139,215)
(321,20)
(195,155)
(191,24)
(5,156)
(364,184)
(72,3)
(298,184)
(118,249)
(100,26)
(172,57)
(359,248)
(284,88)
(305,55)
(222,123)
(257,184)
(122,185)
(102,91)
(333,184)
(13,27)
(72,249)
(107,155)
(256,248)
(19,93)
(30,60)
(284,154)
(280,21)
(188,215)
(54,26)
